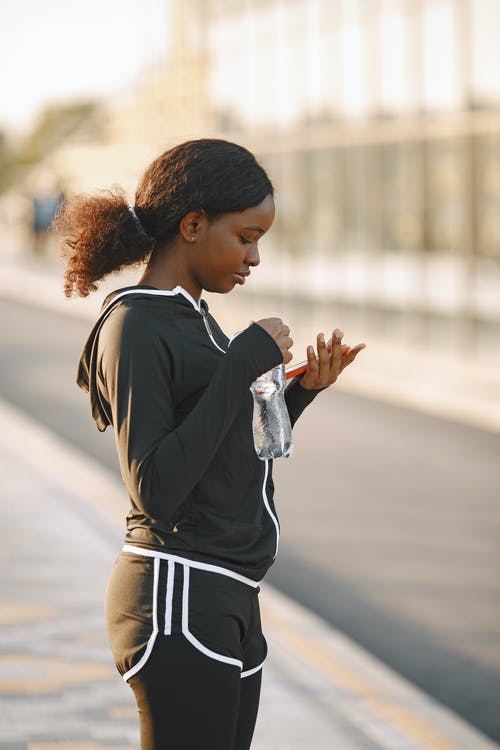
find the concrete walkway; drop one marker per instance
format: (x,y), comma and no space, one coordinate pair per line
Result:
(62,519)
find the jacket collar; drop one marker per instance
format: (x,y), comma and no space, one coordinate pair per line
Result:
(151,290)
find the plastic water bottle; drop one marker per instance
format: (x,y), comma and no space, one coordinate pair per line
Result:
(272,431)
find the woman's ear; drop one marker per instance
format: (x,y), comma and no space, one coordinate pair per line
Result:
(192,224)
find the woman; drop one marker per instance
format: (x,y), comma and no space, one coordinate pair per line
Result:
(182,601)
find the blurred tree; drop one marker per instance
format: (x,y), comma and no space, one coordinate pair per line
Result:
(7,160)
(54,125)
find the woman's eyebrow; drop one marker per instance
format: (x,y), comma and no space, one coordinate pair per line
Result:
(256,229)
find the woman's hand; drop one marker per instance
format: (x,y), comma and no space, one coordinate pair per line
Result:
(324,369)
(280,333)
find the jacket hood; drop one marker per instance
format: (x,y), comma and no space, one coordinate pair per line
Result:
(86,377)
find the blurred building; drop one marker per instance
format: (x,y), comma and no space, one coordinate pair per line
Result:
(379,122)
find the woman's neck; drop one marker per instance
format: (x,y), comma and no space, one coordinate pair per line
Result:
(166,270)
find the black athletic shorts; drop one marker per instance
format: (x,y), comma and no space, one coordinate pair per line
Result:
(153,595)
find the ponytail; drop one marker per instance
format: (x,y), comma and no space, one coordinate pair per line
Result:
(101,235)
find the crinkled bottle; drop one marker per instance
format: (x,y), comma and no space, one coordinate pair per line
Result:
(272,431)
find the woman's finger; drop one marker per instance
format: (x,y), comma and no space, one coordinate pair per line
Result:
(351,355)
(336,353)
(323,357)
(345,348)
(312,362)
(356,349)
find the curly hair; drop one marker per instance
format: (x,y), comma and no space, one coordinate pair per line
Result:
(101,234)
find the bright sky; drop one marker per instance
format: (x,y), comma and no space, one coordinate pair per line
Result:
(63,49)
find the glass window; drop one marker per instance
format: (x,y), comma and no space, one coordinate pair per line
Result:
(353,59)
(327,199)
(359,197)
(485,68)
(401,210)
(442,85)
(488,194)
(447,197)
(398,92)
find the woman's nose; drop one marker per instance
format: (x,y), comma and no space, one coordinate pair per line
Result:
(253,257)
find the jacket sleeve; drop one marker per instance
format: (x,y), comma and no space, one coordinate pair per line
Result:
(297,398)
(161,463)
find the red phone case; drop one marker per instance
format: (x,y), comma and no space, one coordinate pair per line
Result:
(301,367)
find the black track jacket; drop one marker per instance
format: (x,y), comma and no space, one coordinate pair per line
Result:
(160,370)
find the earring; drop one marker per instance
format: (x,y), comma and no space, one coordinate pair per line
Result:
(192,239)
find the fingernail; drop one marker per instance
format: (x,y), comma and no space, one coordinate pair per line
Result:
(310,350)
(321,337)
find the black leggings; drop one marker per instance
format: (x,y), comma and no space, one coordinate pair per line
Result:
(188,701)
(187,638)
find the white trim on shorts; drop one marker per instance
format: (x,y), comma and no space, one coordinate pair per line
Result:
(168,597)
(186,565)
(250,672)
(152,638)
(147,552)
(187,633)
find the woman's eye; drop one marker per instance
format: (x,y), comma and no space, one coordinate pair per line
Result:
(244,241)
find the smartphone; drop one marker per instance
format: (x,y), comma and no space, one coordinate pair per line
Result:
(301,367)
(293,370)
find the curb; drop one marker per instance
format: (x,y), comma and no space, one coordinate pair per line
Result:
(341,676)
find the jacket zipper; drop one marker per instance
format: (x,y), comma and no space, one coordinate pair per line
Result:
(266,471)
(209,331)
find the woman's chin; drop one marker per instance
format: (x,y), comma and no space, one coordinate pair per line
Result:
(222,287)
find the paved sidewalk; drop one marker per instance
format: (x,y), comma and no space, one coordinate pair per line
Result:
(61,523)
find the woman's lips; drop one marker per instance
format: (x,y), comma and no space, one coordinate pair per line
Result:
(239,278)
